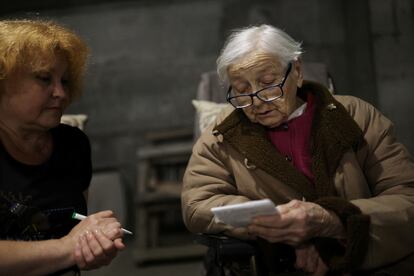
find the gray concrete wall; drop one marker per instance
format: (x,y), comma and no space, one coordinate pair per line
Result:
(392,31)
(145,65)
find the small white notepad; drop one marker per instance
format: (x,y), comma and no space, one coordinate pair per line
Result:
(241,214)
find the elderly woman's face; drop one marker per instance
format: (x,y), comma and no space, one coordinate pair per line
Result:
(259,71)
(35,99)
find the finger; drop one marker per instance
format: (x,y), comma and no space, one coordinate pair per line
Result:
(106,225)
(301,256)
(287,207)
(86,252)
(104,222)
(113,231)
(321,268)
(119,244)
(311,260)
(99,216)
(94,246)
(106,244)
(274,220)
(105,214)
(80,261)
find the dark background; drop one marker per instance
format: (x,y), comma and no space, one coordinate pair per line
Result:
(147,57)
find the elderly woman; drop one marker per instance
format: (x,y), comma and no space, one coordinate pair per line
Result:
(342,183)
(46,166)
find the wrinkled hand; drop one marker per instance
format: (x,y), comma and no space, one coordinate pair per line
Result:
(296,222)
(96,240)
(308,260)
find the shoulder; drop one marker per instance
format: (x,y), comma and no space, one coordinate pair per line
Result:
(69,132)
(71,137)
(353,104)
(377,129)
(365,114)
(209,135)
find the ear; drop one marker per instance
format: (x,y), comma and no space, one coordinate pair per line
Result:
(297,70)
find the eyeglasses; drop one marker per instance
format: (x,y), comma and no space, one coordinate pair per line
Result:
(266,94)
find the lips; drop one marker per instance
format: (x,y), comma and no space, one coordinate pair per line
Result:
(55,108)
(264,114)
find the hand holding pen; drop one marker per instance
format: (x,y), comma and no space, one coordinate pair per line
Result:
(96,240)
(82,217)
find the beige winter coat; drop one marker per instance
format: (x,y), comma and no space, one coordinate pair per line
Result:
(361,172)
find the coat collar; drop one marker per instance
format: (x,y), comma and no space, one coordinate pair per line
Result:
(333,133)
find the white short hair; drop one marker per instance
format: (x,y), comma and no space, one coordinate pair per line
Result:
(264,39)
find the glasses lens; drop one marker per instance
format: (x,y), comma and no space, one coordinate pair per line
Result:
(241,101)
(270,93)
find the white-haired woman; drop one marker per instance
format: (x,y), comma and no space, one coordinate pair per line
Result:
(342,183)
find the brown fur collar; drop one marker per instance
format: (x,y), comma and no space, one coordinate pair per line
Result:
(333,133)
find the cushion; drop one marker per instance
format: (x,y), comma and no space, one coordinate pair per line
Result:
(207,112)
(75,120)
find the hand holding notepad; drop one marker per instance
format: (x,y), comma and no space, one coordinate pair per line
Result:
(242,214)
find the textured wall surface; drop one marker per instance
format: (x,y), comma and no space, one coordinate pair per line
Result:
(392,30)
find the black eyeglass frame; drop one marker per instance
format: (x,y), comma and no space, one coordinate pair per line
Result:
(256,94)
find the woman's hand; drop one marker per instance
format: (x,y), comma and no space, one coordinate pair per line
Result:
(94,250)
(296,222)
(95,241)
(308,260)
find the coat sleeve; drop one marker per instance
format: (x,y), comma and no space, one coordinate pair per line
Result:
(389,171)
(208,183)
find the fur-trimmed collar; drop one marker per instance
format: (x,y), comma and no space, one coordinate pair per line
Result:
(333,133)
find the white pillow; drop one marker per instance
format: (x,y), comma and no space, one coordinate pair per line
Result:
(78,120)
(207,112)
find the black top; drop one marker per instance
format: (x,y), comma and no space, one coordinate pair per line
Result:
(36,202)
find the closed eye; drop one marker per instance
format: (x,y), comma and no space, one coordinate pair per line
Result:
(267,83)
(44,77)
(65,82)
(241,89)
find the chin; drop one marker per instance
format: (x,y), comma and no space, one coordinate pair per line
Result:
(51,123)
(272,123)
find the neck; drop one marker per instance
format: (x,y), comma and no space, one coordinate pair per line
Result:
(299,102)
(28,146)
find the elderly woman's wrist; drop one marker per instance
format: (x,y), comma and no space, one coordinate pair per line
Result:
(333,226)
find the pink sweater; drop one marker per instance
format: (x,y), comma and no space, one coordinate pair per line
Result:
(292,139)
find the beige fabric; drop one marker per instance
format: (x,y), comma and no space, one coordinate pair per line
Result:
(207,112)
(378,178)
(76,120)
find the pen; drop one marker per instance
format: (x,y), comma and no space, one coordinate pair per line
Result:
(82,217)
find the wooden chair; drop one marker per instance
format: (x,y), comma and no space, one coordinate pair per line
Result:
(160,168)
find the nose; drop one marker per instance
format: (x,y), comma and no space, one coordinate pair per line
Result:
(59,91)
(256,101)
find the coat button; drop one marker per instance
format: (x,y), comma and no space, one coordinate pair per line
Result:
(249,165)
(285,126)
(331,106)
(288,158)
